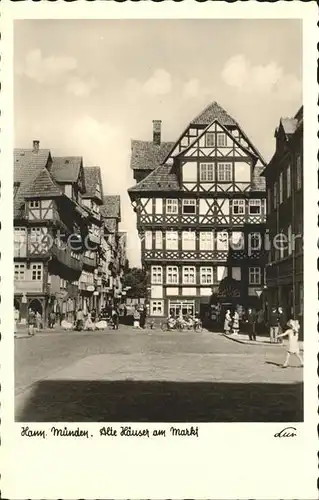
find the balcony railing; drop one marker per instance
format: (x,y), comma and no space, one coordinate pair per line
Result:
(27,286)
(193,220)
(201,255)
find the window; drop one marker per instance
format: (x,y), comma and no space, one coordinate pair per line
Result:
(157,275)
(207,171)
(210,139)
(36,272)
(288,182)
(189,275)
(222,240)
(254,207)
(172,275)
(281,188)
(19,272)
(206,275)
(158,240)
(148,240)
(275,195)
(188,240)
(34,204)
(157,307)
(254,241)
(237,240)
(206,240)
(289,235)
(238,207)
(171,240)
(254,275)
(221,139)
(171,206)
(224,172)
(298,172)
(189,206)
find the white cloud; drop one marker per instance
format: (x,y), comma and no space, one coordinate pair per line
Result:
(240,73)
(80,88)
(47,70)
(159,83)
(192,88)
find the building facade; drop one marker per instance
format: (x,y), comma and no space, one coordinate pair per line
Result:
(59,235)
(284,181)
(201,212)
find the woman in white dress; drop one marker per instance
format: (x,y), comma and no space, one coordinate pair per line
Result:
(227,322)
(293,341)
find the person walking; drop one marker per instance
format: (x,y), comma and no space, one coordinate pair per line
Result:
(115,318)
(136,318)
(143,317)
(31,322)
(235,324)
(227,322)
(51,319)
(273,325)
(251,320)
(293,341)
(79,320)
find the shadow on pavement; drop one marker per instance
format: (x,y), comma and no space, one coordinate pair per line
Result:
(161,401)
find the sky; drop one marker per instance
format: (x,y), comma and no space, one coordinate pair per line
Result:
(87,87)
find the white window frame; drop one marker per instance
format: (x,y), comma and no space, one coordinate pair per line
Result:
(210,139)
(19,271)
(171,240)
(240,204)
(288,181)
(157,307)
(207,172)
(281,188)
(255,240)
(148,235)
(221,139)
(188,240)
(158,240)
(172,275)
(206,275)
(219,238)
(206,240)
(254,275)
(156,275)
(188,202)
(171,206)
(255,202)
(189,275)
(224,172)
(34,203)
(37,272)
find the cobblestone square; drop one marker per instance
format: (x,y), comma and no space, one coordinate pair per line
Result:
(153,376)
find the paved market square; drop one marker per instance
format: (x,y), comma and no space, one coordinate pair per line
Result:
(152,376)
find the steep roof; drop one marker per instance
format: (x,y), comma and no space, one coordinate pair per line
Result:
(289,125)
(43,186)
(161,179)
(28,163)
(66,168)
(213,112)
(258,182)
(92,176)
(111,207)
(146,155)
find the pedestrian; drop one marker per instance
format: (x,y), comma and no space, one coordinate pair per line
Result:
(235,324)
(273,325)
(115,318)
(31,322)
(251,320)
(79,320)
(143,317)
(293,341)
(38,320)
(227,322)
(93,315)
(136,318)
(51,319)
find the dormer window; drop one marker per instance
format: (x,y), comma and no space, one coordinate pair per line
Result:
(35,204)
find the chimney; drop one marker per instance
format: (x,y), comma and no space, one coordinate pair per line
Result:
(157,125)
(36,145)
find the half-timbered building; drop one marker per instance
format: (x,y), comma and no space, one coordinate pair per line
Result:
(201,210)
(284,181)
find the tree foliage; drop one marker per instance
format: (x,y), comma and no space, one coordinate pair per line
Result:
(136,279)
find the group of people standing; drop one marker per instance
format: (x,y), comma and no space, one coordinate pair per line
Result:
(139,317)
(231,322)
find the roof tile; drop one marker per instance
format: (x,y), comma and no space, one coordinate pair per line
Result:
(213,112)
(111,207)
(160,179)
(66,168)
(146,155)
(43,186)
(92,176)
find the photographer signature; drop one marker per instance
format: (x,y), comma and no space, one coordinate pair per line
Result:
(287,432)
